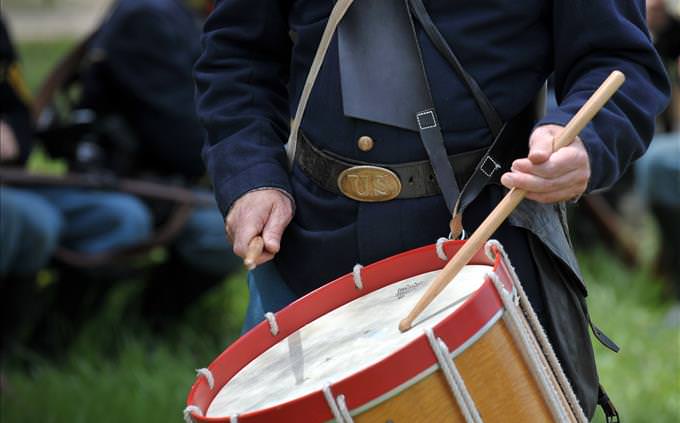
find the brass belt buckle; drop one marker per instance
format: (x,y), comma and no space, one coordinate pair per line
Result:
(369,184)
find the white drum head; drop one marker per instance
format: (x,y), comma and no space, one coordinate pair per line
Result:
(340,343)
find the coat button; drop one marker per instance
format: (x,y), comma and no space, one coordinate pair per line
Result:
(365,143)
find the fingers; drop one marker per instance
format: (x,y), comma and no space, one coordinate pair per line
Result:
(554,196)
(264,212)
(243,224)
(548,176)
(279,218)
(563,187)
(559,163)
(541,143)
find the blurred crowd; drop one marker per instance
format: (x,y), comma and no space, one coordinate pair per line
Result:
(121,105)
(118,108)
(657,173)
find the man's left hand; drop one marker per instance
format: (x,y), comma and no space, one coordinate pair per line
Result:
(547,176)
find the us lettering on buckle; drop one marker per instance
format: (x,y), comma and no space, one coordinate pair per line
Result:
(369,184)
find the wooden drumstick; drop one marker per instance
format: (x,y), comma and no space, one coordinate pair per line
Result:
(255,248)
(511,200)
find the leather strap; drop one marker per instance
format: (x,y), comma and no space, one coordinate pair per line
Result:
(432,138)
(490,114)
(610,412)
(503,150)
(417,178)
(334,19)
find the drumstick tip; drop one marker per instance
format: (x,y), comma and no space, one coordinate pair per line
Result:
(249,264)
(255,248)
(404,325)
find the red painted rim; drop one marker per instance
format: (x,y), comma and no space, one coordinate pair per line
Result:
(370,382)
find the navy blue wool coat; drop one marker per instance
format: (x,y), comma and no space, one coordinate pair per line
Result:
(250,76)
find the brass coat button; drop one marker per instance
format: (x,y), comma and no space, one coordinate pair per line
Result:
(365,143)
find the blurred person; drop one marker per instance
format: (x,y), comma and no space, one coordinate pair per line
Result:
(34,221)
(658,171)
(29,225)
(658,182)
(137,73)
(664,26)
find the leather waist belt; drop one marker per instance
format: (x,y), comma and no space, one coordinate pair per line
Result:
(374,182)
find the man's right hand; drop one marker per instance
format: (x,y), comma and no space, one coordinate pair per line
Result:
(267,212)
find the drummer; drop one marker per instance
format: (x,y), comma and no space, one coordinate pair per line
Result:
(250,77)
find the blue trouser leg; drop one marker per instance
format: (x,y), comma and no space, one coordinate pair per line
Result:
(658,171)
(203,244)
(29,231)
(268,292)
(96,221)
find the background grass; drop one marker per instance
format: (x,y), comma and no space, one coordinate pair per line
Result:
(38,57)
(116,371)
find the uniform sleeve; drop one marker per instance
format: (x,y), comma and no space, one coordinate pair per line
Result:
(592,38)
(242,99)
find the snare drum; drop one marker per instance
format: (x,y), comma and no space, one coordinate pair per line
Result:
(476,354)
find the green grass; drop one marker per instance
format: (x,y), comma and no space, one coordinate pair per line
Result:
(39,57)
(118,372)
(643,379)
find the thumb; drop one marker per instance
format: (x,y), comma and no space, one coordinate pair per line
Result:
(541,145)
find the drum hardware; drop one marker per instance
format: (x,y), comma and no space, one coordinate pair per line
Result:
(356,275)
(207,374)
(273,324)
(337,405)
(457,231)
(439,247)
(330,362)
(494,249)
(454,379)
(191,410)
(344,412)
(512,199)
